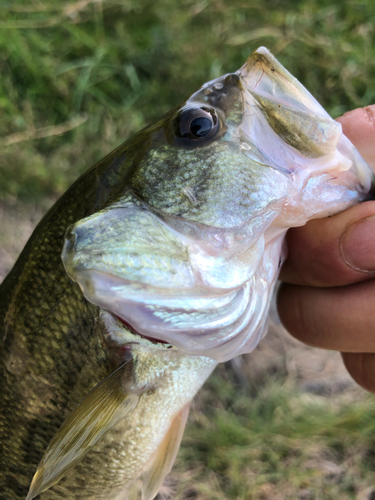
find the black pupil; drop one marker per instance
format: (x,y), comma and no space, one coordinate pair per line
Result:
(200,127)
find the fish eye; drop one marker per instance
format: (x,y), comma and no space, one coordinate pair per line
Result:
(196,124)
(201,126)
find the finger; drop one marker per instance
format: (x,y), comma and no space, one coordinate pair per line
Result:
(361,367)
(333,251)
(342,318)
(359,126)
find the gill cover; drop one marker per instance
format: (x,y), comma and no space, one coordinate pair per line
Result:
(190,251)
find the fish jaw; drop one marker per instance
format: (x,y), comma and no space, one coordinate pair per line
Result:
(190,251)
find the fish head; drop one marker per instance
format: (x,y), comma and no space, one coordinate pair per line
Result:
(188,251)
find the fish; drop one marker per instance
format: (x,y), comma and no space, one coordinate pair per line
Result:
(156,265)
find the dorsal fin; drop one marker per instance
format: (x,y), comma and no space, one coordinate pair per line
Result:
(100,411)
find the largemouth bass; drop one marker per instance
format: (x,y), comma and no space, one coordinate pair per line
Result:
(170,247)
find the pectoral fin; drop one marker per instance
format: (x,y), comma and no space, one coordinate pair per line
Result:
(100,411)
(162,463)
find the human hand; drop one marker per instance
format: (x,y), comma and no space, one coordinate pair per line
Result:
(327,299)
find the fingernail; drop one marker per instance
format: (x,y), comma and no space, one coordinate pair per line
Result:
(358,245)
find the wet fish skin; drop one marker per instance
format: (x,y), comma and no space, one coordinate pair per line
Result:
(47,337)
(56,346)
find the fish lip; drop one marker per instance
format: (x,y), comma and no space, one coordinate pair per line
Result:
(83,277)
(224,314)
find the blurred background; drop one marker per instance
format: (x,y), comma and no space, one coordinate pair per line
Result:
(79,78)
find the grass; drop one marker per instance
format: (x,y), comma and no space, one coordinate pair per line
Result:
(102,69)
(279,444)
